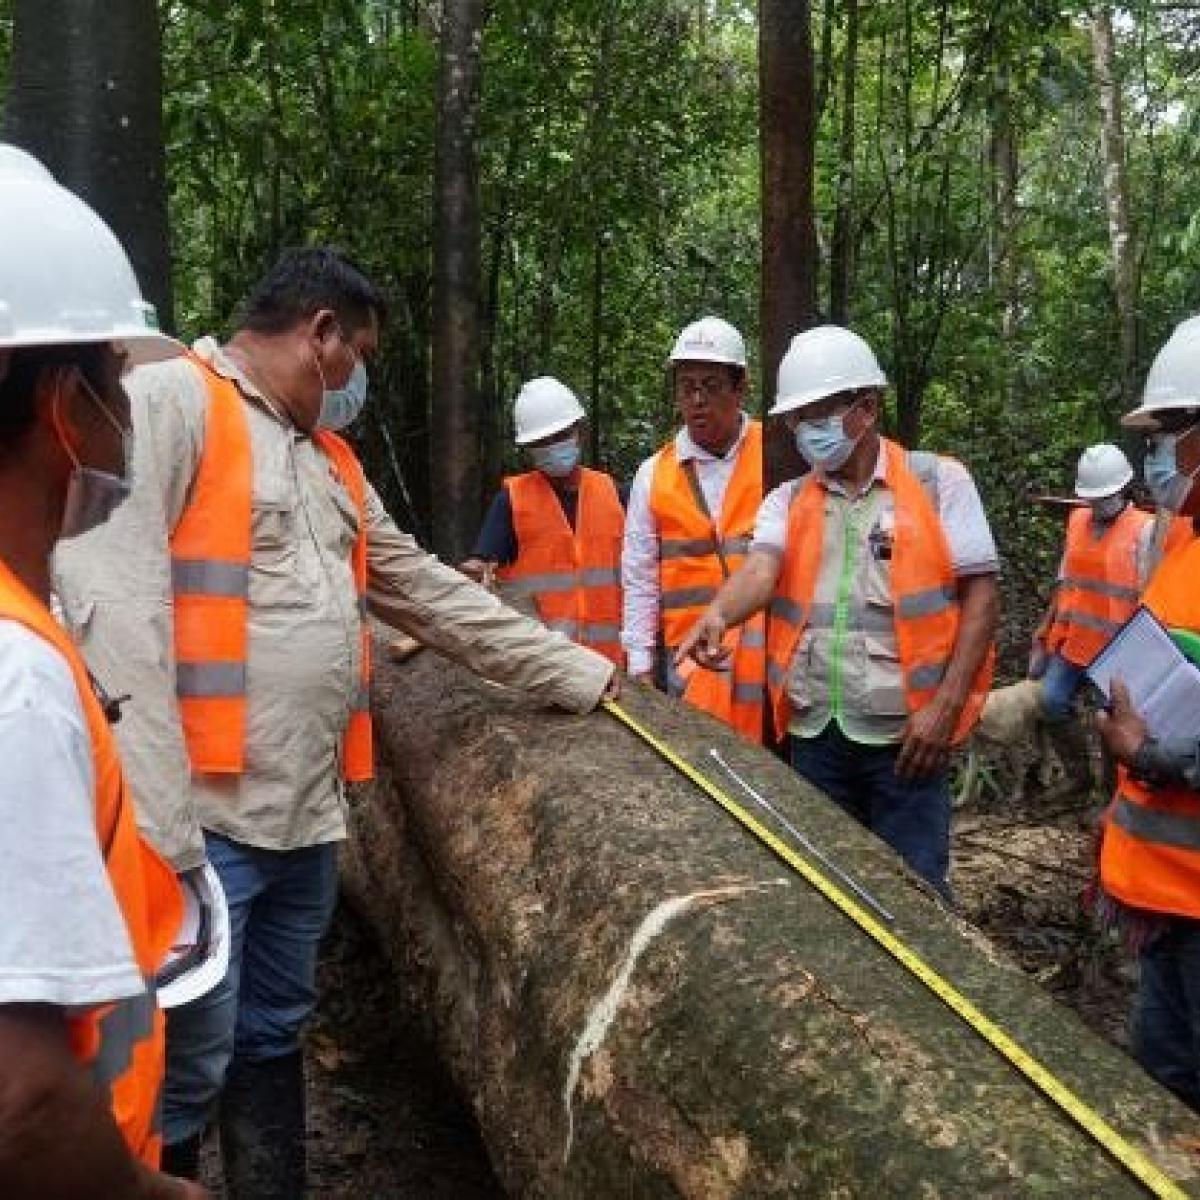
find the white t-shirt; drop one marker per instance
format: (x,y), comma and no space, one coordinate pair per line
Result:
(63,940)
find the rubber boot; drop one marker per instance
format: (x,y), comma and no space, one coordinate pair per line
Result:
(182,1159)
(262,1129)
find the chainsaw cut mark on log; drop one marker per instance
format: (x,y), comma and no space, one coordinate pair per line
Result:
(604,1012)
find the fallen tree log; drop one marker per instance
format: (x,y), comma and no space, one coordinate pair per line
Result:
(640,1000)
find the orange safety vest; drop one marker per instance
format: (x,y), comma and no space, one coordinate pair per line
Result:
(210,578)
(1150,855)
(690,573)
(120,1044)
(574,576)
(1099,588)
(924,594)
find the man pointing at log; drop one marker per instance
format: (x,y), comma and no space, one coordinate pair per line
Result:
(880,573)
(229,600)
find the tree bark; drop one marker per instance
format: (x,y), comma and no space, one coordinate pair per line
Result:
(455,424)
(85,96)
(789,239)
(841,265)
(640,1000)
(1116,200)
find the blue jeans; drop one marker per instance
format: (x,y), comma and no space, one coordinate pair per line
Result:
(1166,1011)
(911,815)
(280,905)
(1060,683)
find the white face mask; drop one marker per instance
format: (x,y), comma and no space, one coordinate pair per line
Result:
(1169,486)
(824,444)
(92,495)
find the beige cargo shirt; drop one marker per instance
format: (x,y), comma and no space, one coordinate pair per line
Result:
(303,658)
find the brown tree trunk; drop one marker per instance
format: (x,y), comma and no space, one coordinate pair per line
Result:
(639,1000)
(85,96)
(841,265)
(455,424)
(789,240)
(1116,199)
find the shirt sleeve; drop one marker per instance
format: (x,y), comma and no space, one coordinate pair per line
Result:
(115,586)
(412,590)
(1169,762)
(639,574)
(63,940)
(972,548)
(497,541)
(770,526)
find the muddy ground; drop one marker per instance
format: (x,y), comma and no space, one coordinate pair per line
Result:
(385,1121)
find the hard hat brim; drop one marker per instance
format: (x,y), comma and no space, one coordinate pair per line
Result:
(1147,416)
(724,360)
(545,431)
(202,977)
(1096,493)
(142,346)
(798,400)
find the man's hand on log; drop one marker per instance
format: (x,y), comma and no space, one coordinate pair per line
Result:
(613,690)
(1121,728)
(484,573)
(703,642)
(925,744)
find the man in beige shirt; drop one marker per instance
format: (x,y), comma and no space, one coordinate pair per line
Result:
(270,827)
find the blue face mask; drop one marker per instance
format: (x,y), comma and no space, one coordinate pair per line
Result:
(824,444)
(1168,485)
(340,406)
(556,460)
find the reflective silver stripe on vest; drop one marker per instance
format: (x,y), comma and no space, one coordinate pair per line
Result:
(927,603)
(747,693)
(532,585)
(1153,825)
(1100,587)
(670,548)
(926,677)
(688,597)
(599,577)
(592,632)
(787,610)
(362,607)
(209,577)
(564,625)
(128,1022)
(210,679)
(362,698)
(753,639)
(776,675)
(858,620)
(1072,616)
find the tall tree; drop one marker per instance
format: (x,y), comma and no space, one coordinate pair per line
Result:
(455,426)
(787,132)
(841,257)
(1116,198)
(85,96)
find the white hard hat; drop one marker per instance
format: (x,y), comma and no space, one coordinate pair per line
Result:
(821,362)
(1103,471)
(545,406)
(710,339)
(64,278)
(199,959)
(1173,381)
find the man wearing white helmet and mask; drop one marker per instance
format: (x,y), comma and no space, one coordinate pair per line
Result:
(230,599)
(555,531)
(880,573)
(90,911)
(691,514)
(1150,853)
(1103,570)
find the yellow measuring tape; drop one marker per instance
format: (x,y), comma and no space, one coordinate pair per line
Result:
(1131,1158)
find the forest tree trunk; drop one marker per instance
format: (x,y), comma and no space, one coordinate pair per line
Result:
(787,134)
(85,96)
(455,422)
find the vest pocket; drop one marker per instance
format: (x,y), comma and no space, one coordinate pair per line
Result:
(799,687)
(884,682)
